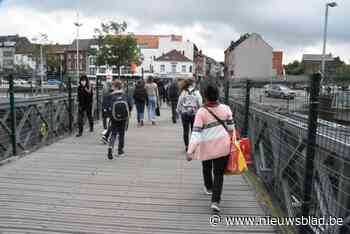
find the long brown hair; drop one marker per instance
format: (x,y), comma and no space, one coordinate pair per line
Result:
(186,84)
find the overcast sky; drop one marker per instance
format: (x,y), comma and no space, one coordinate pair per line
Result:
(293,26)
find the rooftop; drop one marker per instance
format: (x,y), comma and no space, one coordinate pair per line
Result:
(317,57)
(173,55)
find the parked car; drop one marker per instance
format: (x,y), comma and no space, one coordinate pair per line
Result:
(54,82)
(20,82)
(279,91)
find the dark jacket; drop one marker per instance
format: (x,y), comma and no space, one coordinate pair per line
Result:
(105,103)
(113,97)
(173,92)
(85,97)
(140,94)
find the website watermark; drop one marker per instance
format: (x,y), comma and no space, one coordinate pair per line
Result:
(216,220)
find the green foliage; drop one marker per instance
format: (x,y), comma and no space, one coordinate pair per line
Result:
(342,75)
(114,47)
(294,68)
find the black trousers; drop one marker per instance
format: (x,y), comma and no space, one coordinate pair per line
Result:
(187,124)
(117,129)
(214,184)
(173,110)
(81,113)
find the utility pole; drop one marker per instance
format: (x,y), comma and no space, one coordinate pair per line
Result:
(78,25)
(323,65)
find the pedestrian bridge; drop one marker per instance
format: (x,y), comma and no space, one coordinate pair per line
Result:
(71,187)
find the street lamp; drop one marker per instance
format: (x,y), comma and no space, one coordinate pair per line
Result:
(323,65)
(78,25)
(42,39)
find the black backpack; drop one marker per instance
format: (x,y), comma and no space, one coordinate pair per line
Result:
(120,108)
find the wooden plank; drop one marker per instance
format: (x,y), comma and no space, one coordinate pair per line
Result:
(70,187)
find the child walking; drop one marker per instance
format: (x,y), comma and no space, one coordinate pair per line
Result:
(119,107)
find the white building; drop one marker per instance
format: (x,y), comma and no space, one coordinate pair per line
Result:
(25,60)
(173,65)
(151,47)
(249,57)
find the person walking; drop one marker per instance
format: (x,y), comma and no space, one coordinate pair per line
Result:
(106,113)
(140,96)
(211,142)
(85,96)
(189,102)
(173,93)
(153,99)
(119,106)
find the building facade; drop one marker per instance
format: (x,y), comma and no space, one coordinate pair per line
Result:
(249,57)
(312,63)
(72,64)
(151,48)
(173,65)
(277,63)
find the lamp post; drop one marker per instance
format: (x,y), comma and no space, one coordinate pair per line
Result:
(78,25)
(42,39)
(323,65)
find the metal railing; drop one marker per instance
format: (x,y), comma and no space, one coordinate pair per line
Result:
(301,152)
(27,123)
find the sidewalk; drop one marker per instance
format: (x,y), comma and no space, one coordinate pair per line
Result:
(71,187)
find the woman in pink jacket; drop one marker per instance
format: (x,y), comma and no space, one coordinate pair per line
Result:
(210,142)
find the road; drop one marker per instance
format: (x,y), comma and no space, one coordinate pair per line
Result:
(258,97)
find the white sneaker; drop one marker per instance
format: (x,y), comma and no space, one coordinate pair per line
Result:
(215,207)
(206,191)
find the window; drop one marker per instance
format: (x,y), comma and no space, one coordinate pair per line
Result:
(81,65)
(162,68)
(183,68)
(190,70)
(102,70)
(92,60)
(173,68)
(115,70)
(8,54)
(92,71)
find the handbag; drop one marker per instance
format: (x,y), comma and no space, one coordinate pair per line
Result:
(236,163)
(157,111)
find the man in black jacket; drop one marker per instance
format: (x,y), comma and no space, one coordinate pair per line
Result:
(85,95)
(173,96)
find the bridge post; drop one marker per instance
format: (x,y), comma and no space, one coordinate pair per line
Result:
(246,110)
(13,116)
(311,144)
(70,106)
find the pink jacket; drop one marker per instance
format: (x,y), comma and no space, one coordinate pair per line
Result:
(209,139)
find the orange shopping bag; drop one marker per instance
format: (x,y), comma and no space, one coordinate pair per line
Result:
(246,150)
(236,163)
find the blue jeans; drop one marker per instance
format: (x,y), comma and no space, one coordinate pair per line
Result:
(152,104)
(140,107)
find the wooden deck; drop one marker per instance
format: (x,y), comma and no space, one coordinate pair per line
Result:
(71,187)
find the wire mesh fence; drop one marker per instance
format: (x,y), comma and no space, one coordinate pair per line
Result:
(301,148)
(34,118)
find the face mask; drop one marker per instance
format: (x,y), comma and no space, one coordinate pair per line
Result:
(83,83)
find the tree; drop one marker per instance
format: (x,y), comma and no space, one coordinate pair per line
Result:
(294,68)
(114,47)
(342,75)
